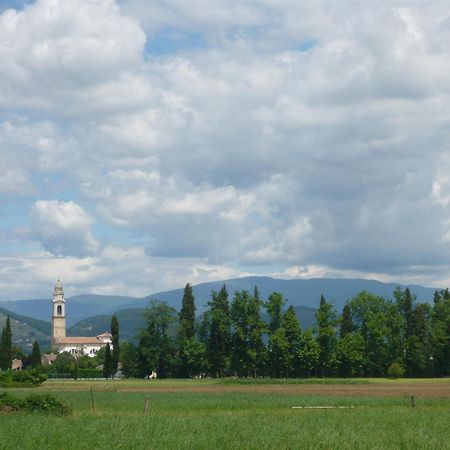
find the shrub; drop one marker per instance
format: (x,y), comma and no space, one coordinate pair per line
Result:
(47,404)
(396,370)
(12,378)
(41,403)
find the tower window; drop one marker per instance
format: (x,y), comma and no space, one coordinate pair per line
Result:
(59,309)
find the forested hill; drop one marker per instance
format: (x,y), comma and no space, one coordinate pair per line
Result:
(26,329)
(299,292)
(132,321)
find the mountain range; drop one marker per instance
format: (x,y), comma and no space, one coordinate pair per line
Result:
(90,314)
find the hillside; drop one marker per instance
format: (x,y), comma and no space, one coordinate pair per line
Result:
(78,307)
(132,320)
(299,292)
(26,329)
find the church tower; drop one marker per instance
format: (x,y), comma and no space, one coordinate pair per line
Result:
(59,313)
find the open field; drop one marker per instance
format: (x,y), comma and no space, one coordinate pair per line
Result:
(210,414)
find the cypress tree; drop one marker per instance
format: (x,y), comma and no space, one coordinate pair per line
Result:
(408,312)
(218,344)
(115,354)
(6,347)
(278,353)
(293,334)
(347,321)
(187,315)
(107,362)
(189,349)
(35,358)
(326,335)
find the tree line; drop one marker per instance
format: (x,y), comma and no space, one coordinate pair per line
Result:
(246,336)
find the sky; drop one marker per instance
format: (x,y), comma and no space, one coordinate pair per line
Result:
(145,145)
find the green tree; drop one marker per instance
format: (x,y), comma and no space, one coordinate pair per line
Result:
(107,363)
(278,358)
(308,354)
(326,335)
(194,355)
(156,347)
(35,358)
(187,343)
(382,326)
(274,307)
(187,315)
(440,335)
(115,353)
(347,322)
(6,346)
(65,364)
(219,334)
(293,335)
(247,344)
(348,355)
(129,360)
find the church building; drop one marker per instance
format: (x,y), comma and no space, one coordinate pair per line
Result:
(76,345)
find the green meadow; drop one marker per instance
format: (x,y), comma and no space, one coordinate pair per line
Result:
(210,414)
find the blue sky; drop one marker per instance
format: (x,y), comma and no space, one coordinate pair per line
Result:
(144,145)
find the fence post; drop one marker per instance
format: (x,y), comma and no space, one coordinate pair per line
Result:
(92,401)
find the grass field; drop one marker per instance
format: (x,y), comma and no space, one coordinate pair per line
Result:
(232,414)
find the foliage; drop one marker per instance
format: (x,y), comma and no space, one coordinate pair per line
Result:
(65,364)
(129,360)
(348,355)
(35,357)
(115,355)
(156,348)
(326,335)
(218,340)
(396,370)
(42,403)
(186,328)
(23,378)
(308,354)
(247,355)
(6,346)
(107,364)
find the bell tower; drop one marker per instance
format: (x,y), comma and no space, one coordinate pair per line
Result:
(59,313)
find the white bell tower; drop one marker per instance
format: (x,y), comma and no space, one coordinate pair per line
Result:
(59,313)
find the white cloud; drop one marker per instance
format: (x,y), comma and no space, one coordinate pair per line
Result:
(291,135)
(54,52)
(63,228)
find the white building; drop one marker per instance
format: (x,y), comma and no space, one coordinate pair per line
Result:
(76,345)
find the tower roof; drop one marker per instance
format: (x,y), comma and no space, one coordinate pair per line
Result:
(58,288)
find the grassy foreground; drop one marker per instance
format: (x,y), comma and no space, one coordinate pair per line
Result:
(209,414)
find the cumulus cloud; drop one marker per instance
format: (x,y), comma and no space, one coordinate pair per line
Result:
(56,53)
(285,134)
(63,228)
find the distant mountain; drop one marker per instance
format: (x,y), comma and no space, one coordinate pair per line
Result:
(78,307)
(130,322)
(26,329)
(299,292)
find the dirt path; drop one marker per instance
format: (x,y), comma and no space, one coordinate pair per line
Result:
(393,389)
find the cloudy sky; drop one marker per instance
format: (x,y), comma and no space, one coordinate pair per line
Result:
(144,145)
